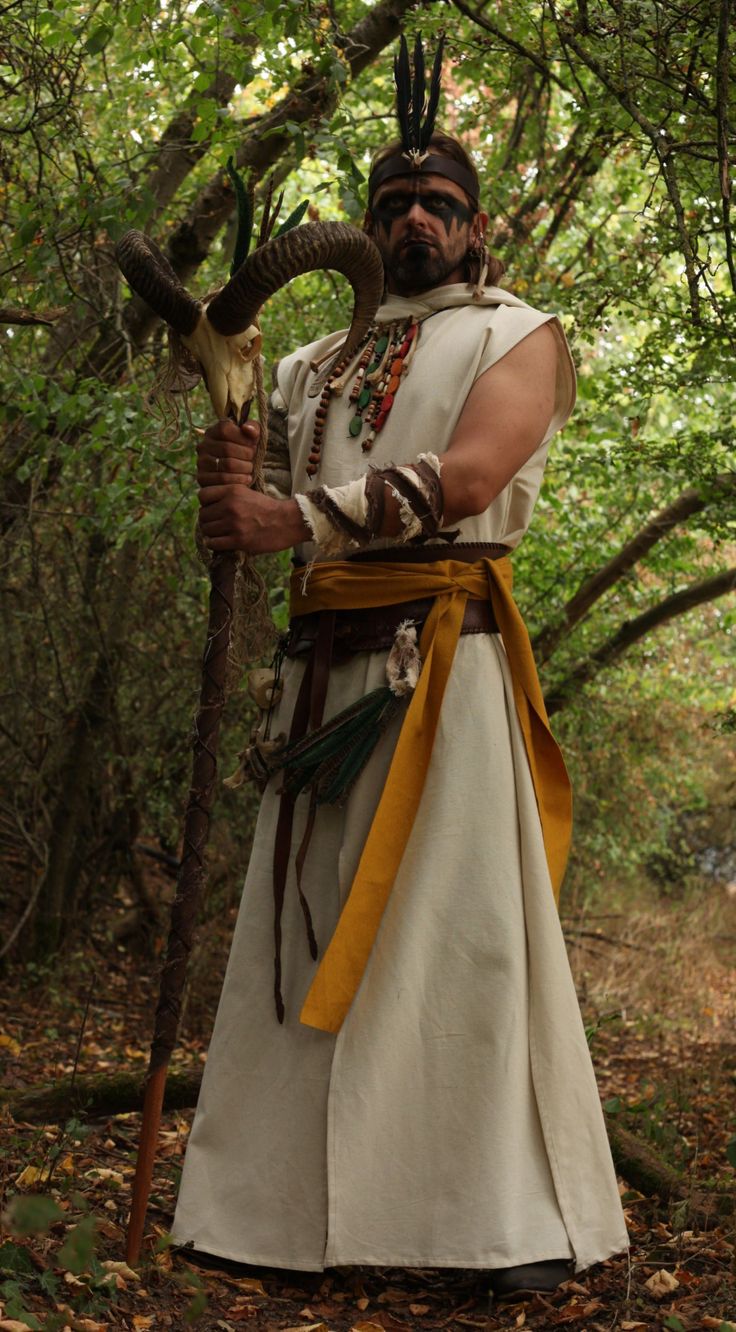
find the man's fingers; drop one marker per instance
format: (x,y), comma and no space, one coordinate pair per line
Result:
(223,471)
(212,494)
(227,430)
(222,543)
(225,449)
(218,528)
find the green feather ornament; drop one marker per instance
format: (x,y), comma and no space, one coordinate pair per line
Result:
(331,759)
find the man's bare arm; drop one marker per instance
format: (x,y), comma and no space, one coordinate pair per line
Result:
(502,423)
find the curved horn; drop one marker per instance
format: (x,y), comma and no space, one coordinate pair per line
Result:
(302,250)
(151,276)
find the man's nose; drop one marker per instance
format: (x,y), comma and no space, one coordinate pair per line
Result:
(416,211)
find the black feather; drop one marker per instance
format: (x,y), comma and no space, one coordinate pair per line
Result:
(434,97)
(417,96)
(244,199)
(402,79)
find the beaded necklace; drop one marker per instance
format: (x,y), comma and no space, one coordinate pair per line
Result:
(383,363)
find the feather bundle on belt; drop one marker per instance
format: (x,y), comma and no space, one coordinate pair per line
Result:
(330,760)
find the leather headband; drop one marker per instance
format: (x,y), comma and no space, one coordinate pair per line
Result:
(436,163)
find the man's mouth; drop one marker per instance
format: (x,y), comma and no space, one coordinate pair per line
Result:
(415,242)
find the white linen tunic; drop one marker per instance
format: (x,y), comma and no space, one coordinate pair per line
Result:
(455,1119)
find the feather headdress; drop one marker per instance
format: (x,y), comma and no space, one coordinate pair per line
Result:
(411,99)
(416,114)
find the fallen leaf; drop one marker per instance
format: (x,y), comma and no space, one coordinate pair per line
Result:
(121,1269)
(661,1283)
(362,1304)
(629,1327)
(392,1296)
(12,1325)
(251,1286)
(521,1319)
(14,1048)
(40,1174)
(307,1327)
(367,1327)
(418,1309)
(102,1173)
(74,1282)
(141,1322)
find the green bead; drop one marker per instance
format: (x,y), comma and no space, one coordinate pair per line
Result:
(364,397)
(356,425)
(381,346)
(372,367)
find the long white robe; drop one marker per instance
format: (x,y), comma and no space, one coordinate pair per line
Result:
(455,1119)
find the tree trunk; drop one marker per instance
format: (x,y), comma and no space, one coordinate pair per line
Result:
(59,888)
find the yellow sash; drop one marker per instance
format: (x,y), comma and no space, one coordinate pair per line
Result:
(342,585)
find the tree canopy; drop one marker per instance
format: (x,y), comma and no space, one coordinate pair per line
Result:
(602,132)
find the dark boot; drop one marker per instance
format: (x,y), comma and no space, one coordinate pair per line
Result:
(507,1282)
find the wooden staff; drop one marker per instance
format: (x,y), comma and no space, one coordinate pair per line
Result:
(222,337)
(189,883)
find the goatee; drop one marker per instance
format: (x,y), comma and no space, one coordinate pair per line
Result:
(418,267)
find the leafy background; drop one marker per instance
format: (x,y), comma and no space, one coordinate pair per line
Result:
(602,131)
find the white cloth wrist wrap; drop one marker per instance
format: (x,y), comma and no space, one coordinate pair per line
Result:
(345,518)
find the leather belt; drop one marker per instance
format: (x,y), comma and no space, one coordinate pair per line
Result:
(326,637)
(374,629)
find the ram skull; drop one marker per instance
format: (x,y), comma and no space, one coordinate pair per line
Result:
(221,333)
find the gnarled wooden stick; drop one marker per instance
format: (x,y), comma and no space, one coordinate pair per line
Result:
(190,881)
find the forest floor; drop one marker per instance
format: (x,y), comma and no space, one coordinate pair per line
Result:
(659,996)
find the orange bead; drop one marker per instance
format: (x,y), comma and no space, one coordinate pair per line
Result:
(397,366)
(393,384)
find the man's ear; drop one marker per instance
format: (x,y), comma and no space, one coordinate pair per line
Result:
(480,222)
(368,222)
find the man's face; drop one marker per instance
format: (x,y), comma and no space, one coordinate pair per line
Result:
(423,227)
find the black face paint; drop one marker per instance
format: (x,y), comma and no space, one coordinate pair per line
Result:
(443,206)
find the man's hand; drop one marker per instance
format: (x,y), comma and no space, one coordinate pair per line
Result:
(225,454)
(232,515)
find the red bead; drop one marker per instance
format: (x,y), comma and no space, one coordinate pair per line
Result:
(387,404)
(379,421)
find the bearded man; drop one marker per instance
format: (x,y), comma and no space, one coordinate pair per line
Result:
(422,1095)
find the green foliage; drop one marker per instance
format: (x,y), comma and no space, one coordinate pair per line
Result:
(597,142)
(31,1214)
(77,1252)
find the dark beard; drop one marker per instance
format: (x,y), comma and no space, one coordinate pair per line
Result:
(418,267)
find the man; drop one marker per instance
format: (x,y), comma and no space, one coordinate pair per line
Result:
(423,1095)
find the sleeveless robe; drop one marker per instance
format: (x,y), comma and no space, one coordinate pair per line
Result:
(455,1119)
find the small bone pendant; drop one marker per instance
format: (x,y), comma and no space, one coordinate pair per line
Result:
(264,688)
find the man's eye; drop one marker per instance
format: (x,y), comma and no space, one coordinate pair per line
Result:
(436,203)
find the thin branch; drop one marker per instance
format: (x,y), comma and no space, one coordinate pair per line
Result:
(697,594)
(660,144)
(511,43)
(593,588)
(722,75)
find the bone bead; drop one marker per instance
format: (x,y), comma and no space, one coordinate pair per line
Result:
(262,687)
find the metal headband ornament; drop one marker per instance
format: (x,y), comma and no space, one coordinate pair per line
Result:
(416,117)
